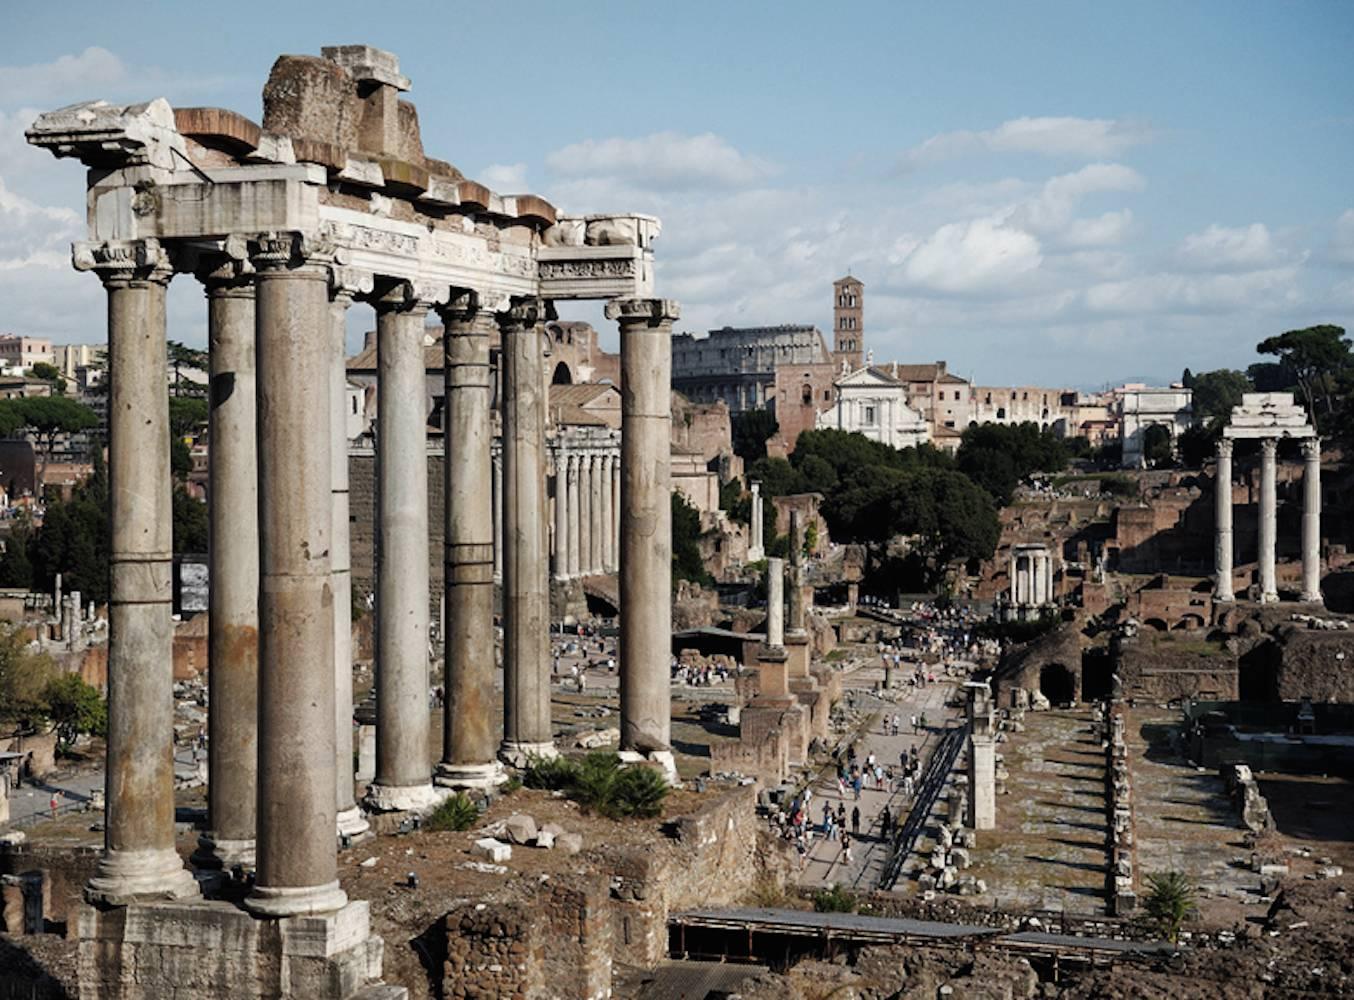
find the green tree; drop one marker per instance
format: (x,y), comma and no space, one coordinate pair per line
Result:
(999,456)
(180,357)
(52,374)
(1157,451)
(190,523)
(1217,392)
(687,563)
(1316,355)
(49,416)
(751,429)
(1196,444)
(1170,902)
(23,680)
(187,416)
(75,538)
(16,568)
(74,707)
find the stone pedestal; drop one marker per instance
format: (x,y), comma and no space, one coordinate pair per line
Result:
(212,950)
(982,782)
(1222,516)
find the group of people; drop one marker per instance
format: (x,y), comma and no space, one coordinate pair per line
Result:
(698,674)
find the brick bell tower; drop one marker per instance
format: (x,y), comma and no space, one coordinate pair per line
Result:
(848,322)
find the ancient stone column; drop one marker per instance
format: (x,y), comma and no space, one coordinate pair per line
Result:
(296,848)
(1015,592)
(797,623)
(756,548)
(646,524)
(1311,520)
(233,572)
(775,602)
(403,775)
(585,514)
(596,538)
(526,595)
(139,860)
(604,521)
(468,737)
(575,518)
(1222,519)
(1268,520)
(615,487)
(561,514)
(498,514)
(344,284)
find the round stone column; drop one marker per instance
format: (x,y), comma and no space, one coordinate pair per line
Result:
(646,525)
(586,524)
(139,860)
(296,848)
(526,594)
(614,485)
(775,602)
(403,774)
(1269,517)
(1222,519)
(575,515)
(598,515)
(468,730)
(604,494)
(798,617)
(345,283)
(233,577)
(497,457)
(561,547)
(1311,520)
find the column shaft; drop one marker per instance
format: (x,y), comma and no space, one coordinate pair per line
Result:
(585,514)
(561,547)
(1268,520)
(498,514)
(1311,520)
(296,848)
(233,558)
(403,772)
(526,595)
(607,519)
(796,581)
(775,602)
(615,487)
(139,860)
(598,533)
(575,516)
(646,522)
(1222,519)
(468,727)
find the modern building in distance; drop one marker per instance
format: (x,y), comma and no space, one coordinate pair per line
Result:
(70,358)
(23,353)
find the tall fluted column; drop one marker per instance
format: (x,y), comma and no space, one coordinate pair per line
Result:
(233,577)
(756,549)
(1222,519)
(139,860)
(575,518)
(468,737)
(1311,520)
(561,552)
(1269,518)
(586,525)
(296,848)
(403,775)
(498,514)
(344,285)
(1015,592)
(798,624)
(604,492)
(615,488)
(526,595)
(646,524)
(775,602)
(597,543)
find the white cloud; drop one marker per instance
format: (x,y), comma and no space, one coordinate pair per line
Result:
(1270,289)
(505,178)
(1047,136)
(1052,211)
(1342,245)
(1103,230)
(1220,248)
(971,256)
(662,161)
(71,77)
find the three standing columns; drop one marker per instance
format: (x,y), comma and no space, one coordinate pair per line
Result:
(233,578)
(1269,519)
(297,859)
(526,586)
(1222,514)
(468,739)
(403,769)
(646,524)
(139,860)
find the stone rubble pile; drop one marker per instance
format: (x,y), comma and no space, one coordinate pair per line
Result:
(1245,792)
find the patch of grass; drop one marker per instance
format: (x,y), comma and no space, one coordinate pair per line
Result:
(834,656)
(455,814)
(834,900)
(511,785)
(553,774)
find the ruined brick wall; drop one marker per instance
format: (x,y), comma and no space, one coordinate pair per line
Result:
(1162,668)
(494,950)
(362,523)
(795,413)
(67,869)
(1315,664)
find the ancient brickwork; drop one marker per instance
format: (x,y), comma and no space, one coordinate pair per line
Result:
(362,522)
(493,950)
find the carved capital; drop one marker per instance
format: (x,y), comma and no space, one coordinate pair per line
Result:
(124,261)
(1311,449)
(471,311)
(410,296)
(347,283)
(1269,447)
(654,312)
(524,313)
(277,251)
(1224,447)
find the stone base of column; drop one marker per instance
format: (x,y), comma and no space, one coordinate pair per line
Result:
(663,759)
(401,798)
(215,951)
(137,876)
(519,754)
(1312,598)
(353,826)
(219,854)
(1270,598)
(470,776)
(296,901)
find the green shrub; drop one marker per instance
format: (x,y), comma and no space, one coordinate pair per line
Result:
(639,791)
(455,813)
(550,773)
(510,786)
(834,900)
(594,783)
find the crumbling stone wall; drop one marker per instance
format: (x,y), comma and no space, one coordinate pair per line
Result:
(67,870)
(1315,664)
(493,950)
(1164,667)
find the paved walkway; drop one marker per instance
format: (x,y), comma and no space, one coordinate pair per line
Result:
(826,863)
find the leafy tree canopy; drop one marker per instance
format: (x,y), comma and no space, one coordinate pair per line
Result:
(998,456)
(687,563)
(1217,392)
(750,430)
(1316,356)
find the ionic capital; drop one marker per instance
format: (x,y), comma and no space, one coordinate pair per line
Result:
(1311,449)
(124,262)
(1224,447)
(653,312)
(223,276)
(278,251)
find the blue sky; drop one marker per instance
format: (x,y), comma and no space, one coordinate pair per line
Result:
(1051,193)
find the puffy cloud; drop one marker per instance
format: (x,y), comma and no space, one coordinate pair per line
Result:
(663,161)
(505,178)
(1220,248)
(1270,289)
(1046,136)
(1104,230)
(70,77)
(1053,207)
(973,256)
(1342,244)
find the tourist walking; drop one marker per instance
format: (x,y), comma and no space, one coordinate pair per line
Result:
(855,821)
